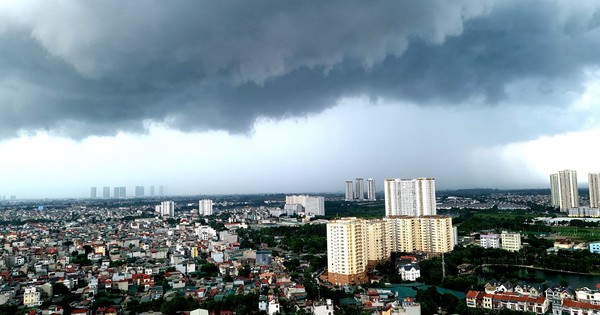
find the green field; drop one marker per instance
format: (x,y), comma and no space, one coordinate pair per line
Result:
(584,234)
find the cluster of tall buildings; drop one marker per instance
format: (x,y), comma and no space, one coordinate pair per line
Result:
(353,243)
(410,224)
(564,191)
(121,192)
(356,190)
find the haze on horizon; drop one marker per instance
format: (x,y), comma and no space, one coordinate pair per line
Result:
(213,97)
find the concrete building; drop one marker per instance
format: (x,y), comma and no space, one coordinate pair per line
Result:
(205,207)
(349,190)
(376,249)
(312,204)
(563,187)
(323,308)
(353,244)
(410,272)
(106,192)
(371,189)
(594,182)
(489,240)
(346,255)
(359,189)
(32,297)
(410,197)
(511,241)
(595,247)
(432,234)
(139,191)
(166,209)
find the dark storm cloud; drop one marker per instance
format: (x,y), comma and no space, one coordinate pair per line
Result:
(84,68)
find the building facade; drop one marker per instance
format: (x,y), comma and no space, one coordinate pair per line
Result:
(489,240)
(166,209)
(359,189)
(563,187)
(410,197)
(371,189)
(346,255)
(32,297)
(139,191)
(349,190)
(354,244)
(205,207)
(594,182)
(106,192)
(312,204)
(511,241)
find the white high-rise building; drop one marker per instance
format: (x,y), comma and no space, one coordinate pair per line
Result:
(349,188)
(206,207)
(166,209)
(359,189)
(106,192)
(312,204)
(139,191)
(563,187)
(594,181)
(93,192)
(554,193)
(371,189)
(410,197)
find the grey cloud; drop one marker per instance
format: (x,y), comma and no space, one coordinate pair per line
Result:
(84,68)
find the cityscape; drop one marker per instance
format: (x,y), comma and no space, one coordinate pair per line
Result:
(299,157)
(366,251)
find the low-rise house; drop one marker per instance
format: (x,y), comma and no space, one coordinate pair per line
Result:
(587,295)
(568,306)
(32,297)
(410,272)
(507,300)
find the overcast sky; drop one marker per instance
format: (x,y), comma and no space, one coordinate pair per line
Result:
(219,97)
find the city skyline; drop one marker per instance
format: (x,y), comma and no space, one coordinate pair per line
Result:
(284,97)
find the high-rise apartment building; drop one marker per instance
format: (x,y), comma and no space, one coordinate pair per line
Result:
(139,191)
(563,187)
(353,244)
(346,251)
(359,189)
(106,192)
(116,192)
(205,207)
(152,191)
(166,209)
(594,182)
(122,192)
(312,204)
(410,197)
(554,193)
(93,192)
(371,189)
(349,189)
(433,234)
(377,250)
